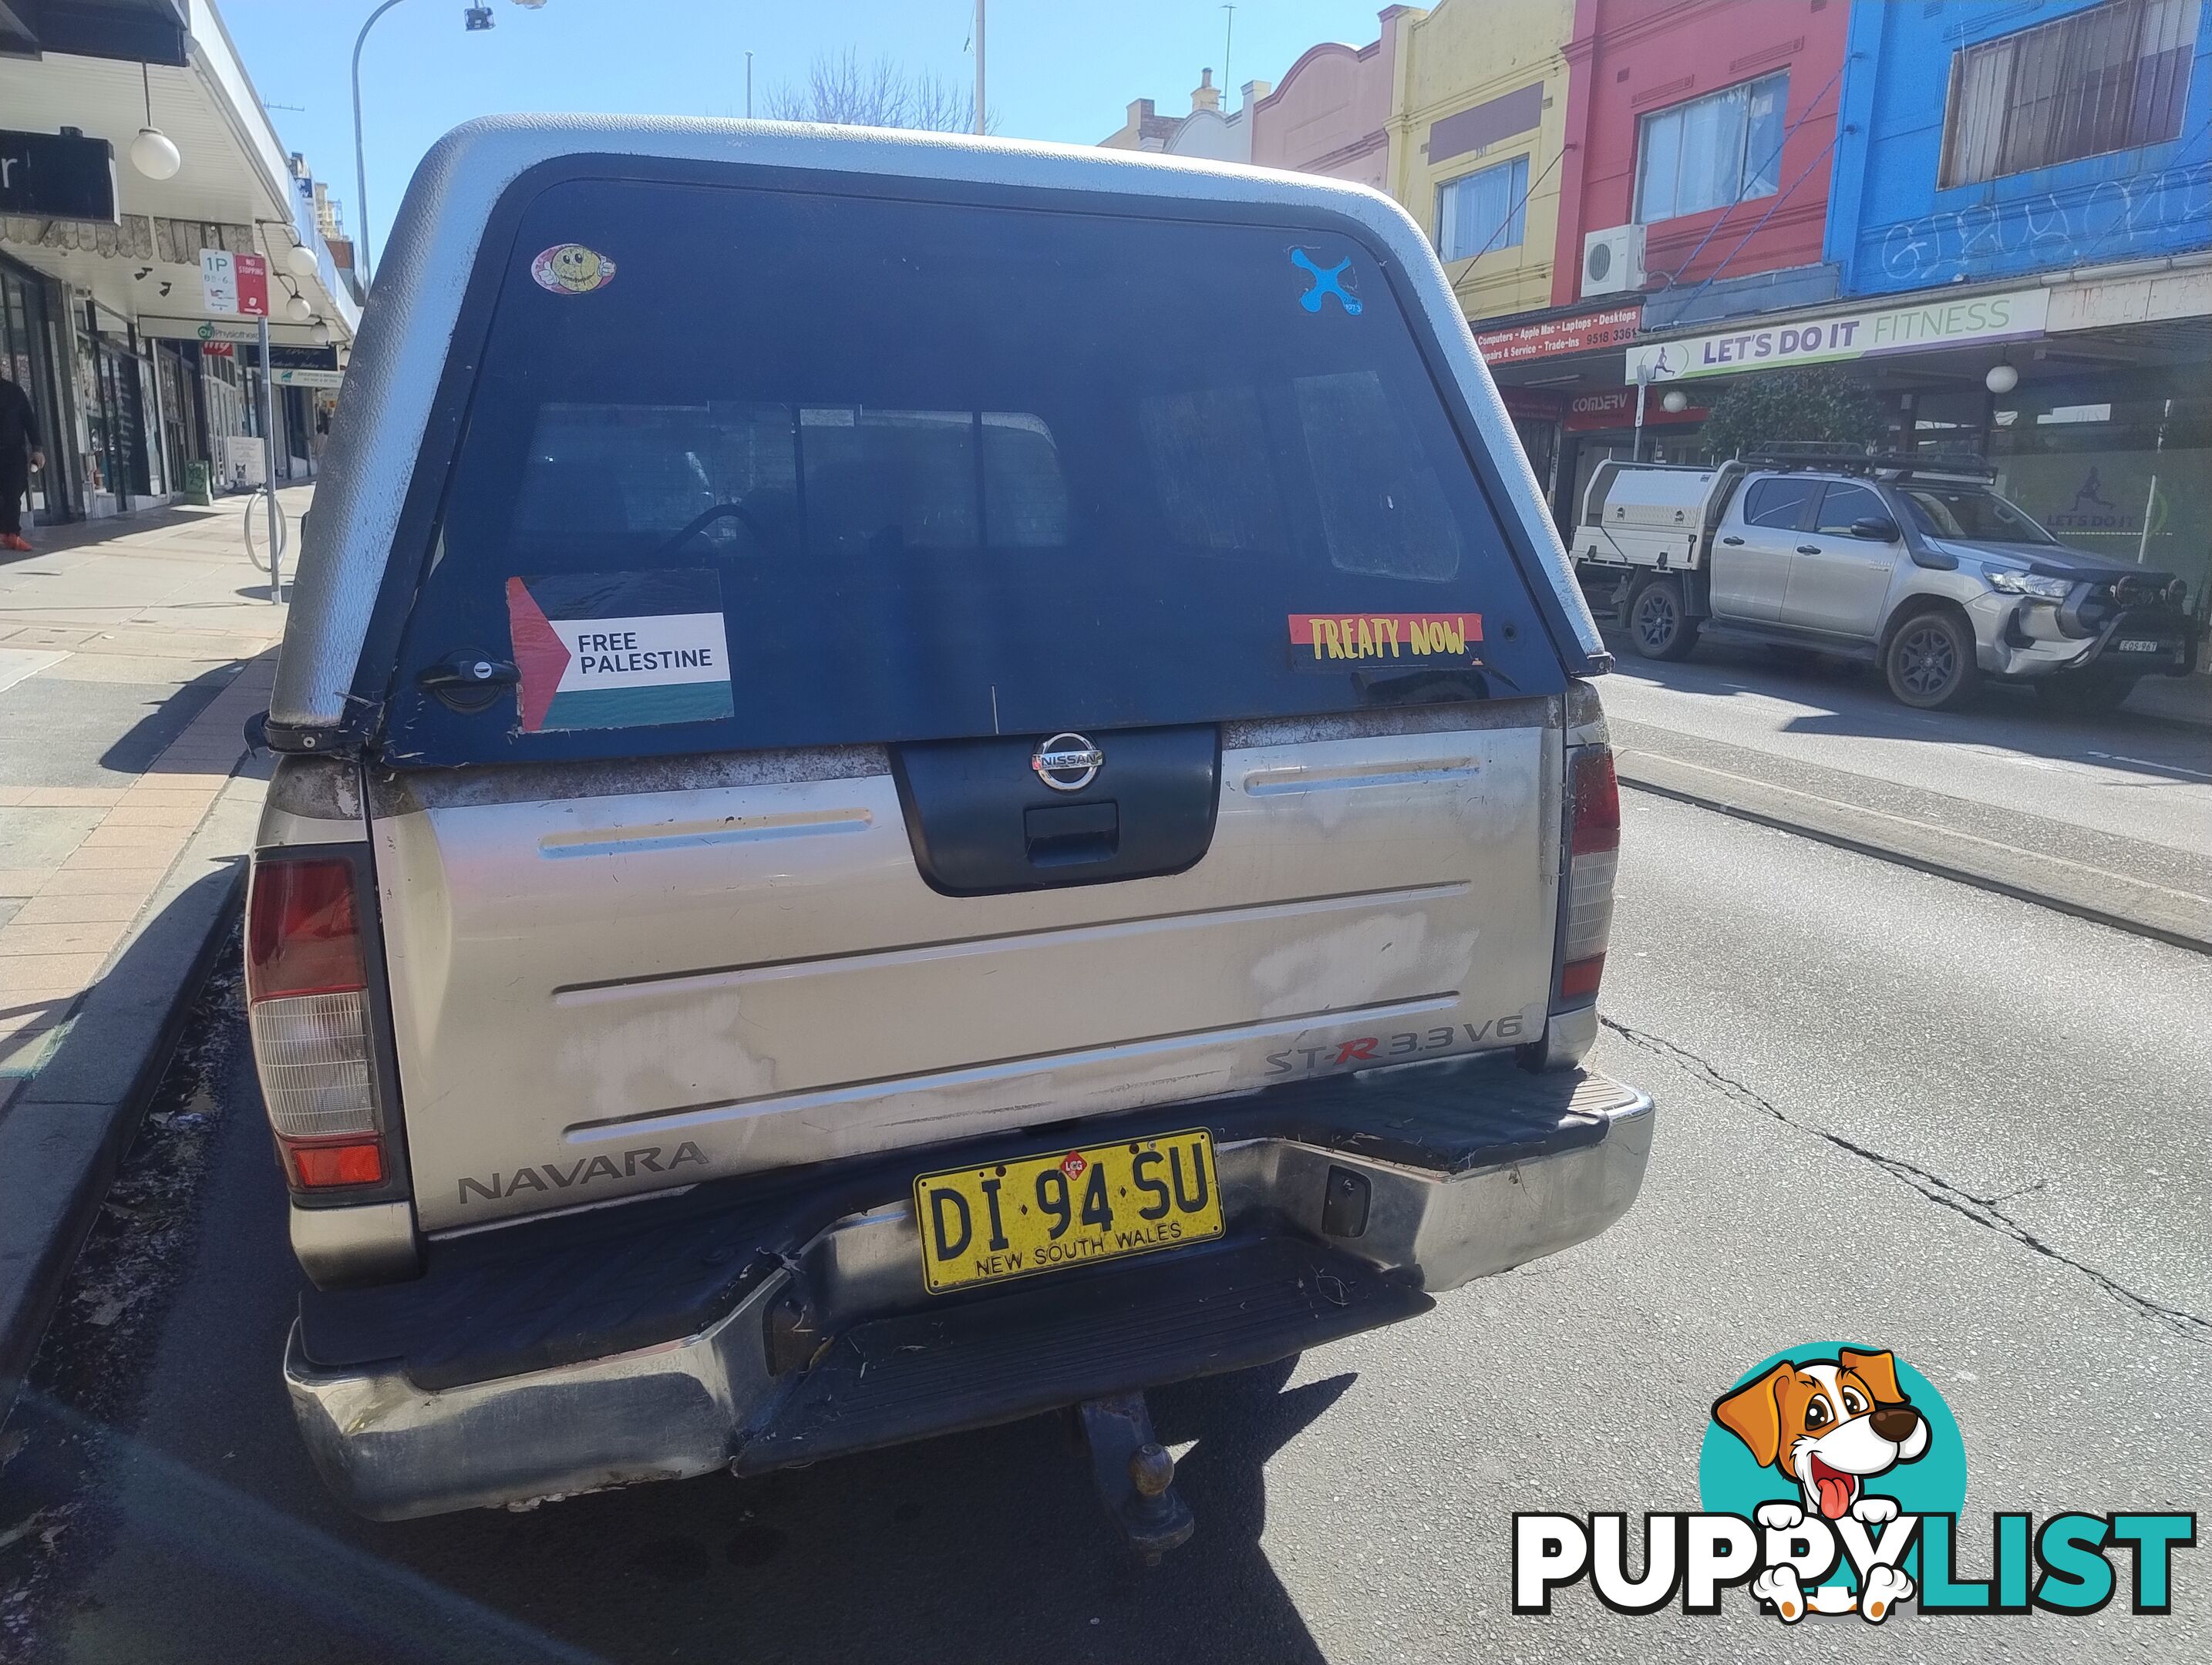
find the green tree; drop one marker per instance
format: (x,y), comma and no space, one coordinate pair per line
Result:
(1820,403)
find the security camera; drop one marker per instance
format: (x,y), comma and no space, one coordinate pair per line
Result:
(477,17)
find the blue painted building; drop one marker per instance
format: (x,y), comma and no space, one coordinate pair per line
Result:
(2059,151)
(1988,139)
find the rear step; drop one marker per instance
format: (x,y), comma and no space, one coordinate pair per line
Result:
(1198,1312)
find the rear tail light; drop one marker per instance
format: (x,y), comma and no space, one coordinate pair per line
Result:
(306,986)
(1593,851)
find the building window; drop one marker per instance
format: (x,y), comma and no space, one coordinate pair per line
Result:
(1723,149)
(1483,212)
(2110,78)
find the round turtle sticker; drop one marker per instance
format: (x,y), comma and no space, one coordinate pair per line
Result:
(571,269)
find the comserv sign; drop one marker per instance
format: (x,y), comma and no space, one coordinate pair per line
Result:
(1941,321)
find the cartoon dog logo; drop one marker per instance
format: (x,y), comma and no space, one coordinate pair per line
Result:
(571,269)
(1830,1424)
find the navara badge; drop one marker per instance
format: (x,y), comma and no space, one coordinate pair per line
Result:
(1067,763)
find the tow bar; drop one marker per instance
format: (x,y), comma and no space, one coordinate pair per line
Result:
(1135,1475)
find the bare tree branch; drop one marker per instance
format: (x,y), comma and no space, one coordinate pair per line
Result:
(838,90)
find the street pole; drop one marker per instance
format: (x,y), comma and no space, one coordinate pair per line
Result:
(979,68)
(2151,497)
(268,466)
(361,167)
(1642,381)
(749,86)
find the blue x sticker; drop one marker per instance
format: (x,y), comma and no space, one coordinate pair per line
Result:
(1326,283)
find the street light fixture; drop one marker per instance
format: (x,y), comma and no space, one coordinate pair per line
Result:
(153,153)
(474,19)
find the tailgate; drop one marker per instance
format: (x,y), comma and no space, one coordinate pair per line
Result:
(714,813)
(595,996)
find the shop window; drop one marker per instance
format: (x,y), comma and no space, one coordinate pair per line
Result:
(1711,152)
(2110,78)
(1484,212)
(2119,464)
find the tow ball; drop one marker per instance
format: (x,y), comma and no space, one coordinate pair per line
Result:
(1135,1475)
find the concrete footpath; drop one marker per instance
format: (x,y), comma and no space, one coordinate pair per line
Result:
(132,653)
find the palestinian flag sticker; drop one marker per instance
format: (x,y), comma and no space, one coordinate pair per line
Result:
(619,650)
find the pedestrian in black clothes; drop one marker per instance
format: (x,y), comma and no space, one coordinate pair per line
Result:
(19,455)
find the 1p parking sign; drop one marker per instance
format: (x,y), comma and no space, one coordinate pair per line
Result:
(234,284)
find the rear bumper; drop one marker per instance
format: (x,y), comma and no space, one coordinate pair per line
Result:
(833,1347)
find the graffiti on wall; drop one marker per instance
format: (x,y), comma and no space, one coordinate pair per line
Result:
(2111,219)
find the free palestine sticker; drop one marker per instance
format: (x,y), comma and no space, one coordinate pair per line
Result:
(619,650)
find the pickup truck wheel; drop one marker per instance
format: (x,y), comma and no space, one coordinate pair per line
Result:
(2085,696)
(1930,662)
(1659,622)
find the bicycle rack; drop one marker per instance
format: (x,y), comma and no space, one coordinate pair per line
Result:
(255,506)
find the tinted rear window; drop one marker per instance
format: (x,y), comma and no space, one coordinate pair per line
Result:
(952,470)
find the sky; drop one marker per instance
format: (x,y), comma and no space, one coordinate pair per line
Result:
(1063,69)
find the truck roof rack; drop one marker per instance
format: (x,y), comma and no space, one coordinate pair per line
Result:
(1891,464)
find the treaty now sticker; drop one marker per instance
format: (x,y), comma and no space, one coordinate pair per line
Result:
(619,650)
(1409,638)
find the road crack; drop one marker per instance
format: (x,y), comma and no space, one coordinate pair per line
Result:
(1982,1211)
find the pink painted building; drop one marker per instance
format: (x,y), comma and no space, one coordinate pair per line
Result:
(1331,113)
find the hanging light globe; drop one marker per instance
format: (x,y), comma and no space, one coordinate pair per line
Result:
(300,260)
(154,154)
(298,310)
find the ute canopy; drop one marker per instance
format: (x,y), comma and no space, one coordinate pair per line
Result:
(749,467)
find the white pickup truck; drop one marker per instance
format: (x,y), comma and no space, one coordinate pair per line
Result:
(1917,566)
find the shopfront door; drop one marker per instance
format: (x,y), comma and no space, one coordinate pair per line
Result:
(27,358)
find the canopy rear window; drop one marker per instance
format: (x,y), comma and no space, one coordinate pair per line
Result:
(949,469)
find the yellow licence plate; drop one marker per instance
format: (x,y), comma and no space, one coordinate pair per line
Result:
(1015,1220)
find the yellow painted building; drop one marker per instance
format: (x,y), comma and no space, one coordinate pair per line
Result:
(1478,115)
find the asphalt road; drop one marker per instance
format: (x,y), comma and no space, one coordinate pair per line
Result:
(1892,1107)
(2134,776)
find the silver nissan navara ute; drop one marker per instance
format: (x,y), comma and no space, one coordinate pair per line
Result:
(918,780)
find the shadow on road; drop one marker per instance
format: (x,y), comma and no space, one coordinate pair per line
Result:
(82,534)
(201,1532)
(146,740)
(1848,700)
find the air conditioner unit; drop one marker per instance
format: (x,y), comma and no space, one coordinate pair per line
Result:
(1612,260)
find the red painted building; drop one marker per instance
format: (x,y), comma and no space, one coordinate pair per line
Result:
(1711,125)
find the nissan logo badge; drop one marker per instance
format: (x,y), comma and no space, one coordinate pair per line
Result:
(1067,763)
